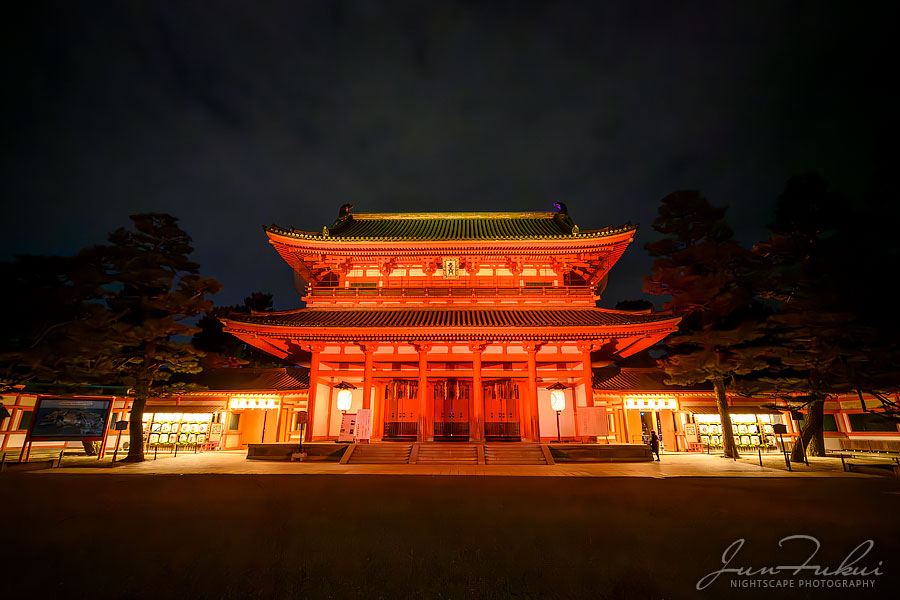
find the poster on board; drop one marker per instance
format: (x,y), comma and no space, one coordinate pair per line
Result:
(69,419)
(348,427)
(363,424)
(690,433)
(215,432)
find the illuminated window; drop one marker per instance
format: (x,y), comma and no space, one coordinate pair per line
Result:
(234,423)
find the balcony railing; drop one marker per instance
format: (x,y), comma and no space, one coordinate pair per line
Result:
(446,292)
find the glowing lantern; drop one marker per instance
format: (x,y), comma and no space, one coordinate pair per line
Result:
(558,402)
(344,395)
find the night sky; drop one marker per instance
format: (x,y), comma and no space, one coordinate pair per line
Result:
(232,115)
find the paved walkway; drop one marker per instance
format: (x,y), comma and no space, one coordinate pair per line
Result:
(671,465)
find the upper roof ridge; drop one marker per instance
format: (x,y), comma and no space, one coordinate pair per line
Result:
(455,215)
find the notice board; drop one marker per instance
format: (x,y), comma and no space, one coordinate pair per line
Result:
(69,419)
(592,421)
(363,423)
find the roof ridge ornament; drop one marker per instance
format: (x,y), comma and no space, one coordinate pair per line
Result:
(562,218)
(343,215)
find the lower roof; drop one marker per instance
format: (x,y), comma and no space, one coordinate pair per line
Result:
(451,317)
(251,379)
(614,379)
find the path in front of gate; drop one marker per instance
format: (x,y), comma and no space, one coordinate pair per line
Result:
(671,465)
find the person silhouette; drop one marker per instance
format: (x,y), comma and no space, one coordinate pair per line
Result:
(654,444)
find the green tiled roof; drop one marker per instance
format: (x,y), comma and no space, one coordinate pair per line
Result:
(449,226)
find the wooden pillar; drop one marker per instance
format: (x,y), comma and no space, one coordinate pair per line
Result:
(330,408)
(531,416)
(314,350)
(368,350)
(425,431)
(377,414)
(586,349)
(278,419)
(476,420)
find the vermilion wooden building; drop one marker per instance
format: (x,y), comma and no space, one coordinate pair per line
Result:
(452,326)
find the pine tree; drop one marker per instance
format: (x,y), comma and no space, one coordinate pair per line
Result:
(154,290)
(820,338)
(706,272)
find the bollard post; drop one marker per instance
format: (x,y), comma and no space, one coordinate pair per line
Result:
(155,450)
(176,449)
(759,451)
(786,459)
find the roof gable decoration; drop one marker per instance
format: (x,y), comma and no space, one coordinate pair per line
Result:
(450,226)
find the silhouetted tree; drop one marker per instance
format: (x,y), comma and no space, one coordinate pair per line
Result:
(51,302)
(154,289)
(706,272)
(820,339)
(634,305)
(113,314)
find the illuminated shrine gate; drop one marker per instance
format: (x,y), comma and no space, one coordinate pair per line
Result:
(451,326)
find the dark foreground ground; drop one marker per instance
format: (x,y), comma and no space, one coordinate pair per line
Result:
(271,536)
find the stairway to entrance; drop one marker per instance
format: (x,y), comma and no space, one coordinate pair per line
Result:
(447,454)
(396,454)
(514,454)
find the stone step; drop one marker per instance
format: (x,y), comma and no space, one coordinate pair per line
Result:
(447,454)
(518,454)
(380,454)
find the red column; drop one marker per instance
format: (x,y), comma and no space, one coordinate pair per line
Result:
(476,420)
(426,428)
(533,430)
(314,349)
(368,349)
(586,350)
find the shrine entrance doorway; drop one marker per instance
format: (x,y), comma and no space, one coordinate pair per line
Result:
(451,399)
(401,410)
(501,411)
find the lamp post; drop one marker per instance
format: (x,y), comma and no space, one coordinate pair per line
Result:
(558,402)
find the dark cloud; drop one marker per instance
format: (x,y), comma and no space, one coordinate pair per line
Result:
(234,115)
